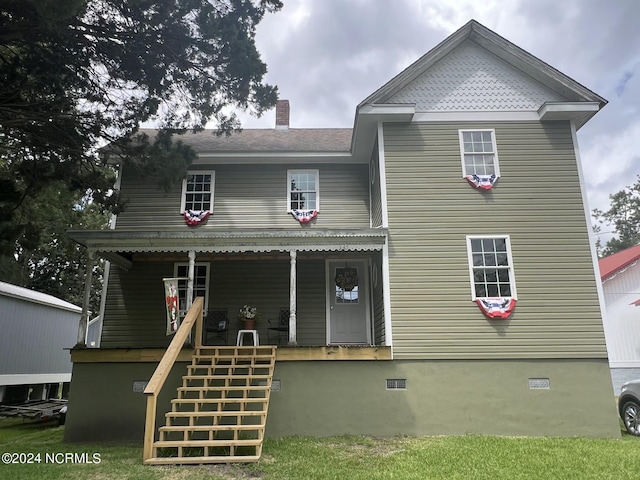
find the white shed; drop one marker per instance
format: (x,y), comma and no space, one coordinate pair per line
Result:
(36,332)
(620,274)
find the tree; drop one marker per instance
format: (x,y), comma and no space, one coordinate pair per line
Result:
(624,217)
(56,265)
(79,74)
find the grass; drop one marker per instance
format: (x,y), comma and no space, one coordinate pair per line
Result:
(455,457)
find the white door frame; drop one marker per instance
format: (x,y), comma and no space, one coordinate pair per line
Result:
(364,283)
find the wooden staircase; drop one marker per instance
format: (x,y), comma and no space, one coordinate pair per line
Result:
(220,412)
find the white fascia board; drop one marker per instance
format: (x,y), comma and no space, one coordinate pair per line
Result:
(578,113)
(426,117)
(34,379)
(390,112)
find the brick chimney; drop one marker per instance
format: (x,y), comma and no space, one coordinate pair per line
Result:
(282,115)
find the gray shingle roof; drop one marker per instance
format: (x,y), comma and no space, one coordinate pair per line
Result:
(269,140)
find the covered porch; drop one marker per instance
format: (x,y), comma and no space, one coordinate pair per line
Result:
(276,271)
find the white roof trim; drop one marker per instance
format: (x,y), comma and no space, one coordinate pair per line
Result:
(21,293)
(35,378)
(568,111)
(109,241)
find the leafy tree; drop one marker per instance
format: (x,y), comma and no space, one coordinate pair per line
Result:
(56,265)
(624,217)
(79,74)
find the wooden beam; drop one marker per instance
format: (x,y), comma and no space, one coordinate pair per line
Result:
(333,353)
(154,355)
(126,355)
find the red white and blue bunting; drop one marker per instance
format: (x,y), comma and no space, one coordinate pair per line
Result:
(195,217)
(484,182)
(496,307)
(304,216)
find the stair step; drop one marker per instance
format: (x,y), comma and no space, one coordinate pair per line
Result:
(214,401)
(207,428)
(250,376)
(242,353)
(217,413)
(201,460)
(219,388)
(206,443)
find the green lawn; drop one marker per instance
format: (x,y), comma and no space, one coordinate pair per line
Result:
(353,458)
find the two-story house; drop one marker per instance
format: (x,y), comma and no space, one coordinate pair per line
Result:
(434,262)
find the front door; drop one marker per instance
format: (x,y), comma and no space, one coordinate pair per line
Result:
(348,303)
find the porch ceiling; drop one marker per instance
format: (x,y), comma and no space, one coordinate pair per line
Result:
(237,241)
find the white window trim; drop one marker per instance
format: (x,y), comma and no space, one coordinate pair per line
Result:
(496,162)
(207,265)
(512,275)
(304,170)
(183,198)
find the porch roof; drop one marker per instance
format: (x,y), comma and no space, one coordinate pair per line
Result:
(110,242)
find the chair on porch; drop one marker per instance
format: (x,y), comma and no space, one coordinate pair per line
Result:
(216,325)
(281,327)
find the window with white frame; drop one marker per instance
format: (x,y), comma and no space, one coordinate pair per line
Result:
(479,152)
(491,267)
(303,190)
(197,191)
(200,284)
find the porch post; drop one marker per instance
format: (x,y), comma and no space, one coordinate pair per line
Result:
(84,317)
(190,274)
(292,299)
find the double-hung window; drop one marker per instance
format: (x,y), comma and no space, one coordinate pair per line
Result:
(479,152)
(200,284)
(303,191)
(491,267)
(197,191)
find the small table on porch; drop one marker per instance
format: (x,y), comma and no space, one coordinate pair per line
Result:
(253,333)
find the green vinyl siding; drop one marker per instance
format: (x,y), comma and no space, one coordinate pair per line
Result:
(134,313)
(250,196)
(537,202)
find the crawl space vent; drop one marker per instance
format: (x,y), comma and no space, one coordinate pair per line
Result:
(396,383)
(539,384)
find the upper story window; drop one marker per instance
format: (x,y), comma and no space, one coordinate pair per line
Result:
(303,190)
(491,267)
(479,153)
(197,191)
(200,284)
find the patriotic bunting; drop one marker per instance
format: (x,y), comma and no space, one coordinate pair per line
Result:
(499,308)
(195,217)
(304,216)
(484,182)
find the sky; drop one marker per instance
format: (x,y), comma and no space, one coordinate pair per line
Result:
(326,56)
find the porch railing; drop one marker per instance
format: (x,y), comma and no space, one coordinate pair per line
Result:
(193,316)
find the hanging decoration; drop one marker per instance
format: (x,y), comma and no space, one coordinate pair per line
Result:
(496,307)
(304,216)
(484,182)
(171,304)
(195,217)
(346,278)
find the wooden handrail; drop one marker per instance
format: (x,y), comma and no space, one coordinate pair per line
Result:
(193,316)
